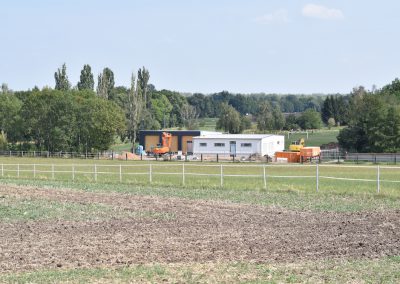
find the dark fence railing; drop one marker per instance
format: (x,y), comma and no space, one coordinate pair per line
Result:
(66,155)
(335,155)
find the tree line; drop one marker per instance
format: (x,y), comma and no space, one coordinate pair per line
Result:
(373,120)
(208,105)
(85,117)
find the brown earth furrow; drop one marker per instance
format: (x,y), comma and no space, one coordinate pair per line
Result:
(200,231)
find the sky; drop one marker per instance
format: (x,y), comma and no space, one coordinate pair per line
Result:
(206,46)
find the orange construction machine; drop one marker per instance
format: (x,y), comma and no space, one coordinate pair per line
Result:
(165,146)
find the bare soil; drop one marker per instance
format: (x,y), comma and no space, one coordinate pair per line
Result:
(202,231)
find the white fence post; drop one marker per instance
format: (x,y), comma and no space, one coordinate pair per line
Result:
(73,172)
(52,171)
(317,176)
(379,180)
(265,177)
(150,174)
(120,173)
(18,170)
(95,172)
(183,173)
(222,176)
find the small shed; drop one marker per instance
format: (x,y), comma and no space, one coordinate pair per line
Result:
(239,144)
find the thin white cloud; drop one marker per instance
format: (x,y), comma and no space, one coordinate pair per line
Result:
(278,16)
(322,12)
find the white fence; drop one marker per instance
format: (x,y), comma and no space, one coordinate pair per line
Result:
(182,171)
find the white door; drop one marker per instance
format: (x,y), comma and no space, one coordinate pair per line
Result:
(232,148)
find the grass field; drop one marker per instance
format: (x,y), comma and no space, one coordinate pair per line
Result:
(348,271)
(208,124)
(315,138)
(335,179)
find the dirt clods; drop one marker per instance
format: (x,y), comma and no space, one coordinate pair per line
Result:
(200,231)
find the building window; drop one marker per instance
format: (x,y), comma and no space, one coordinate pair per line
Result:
(219,144)
(203,144)
(245,145)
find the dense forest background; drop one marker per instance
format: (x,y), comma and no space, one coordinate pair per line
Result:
(83,118)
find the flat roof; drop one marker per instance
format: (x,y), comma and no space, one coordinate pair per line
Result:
(191,132)
(237,136)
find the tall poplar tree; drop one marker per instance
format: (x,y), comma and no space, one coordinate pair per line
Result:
(86,80)
(61,78)
(143,81)
(135,107)
(105,84)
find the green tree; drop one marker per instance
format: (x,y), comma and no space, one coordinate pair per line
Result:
(310,119)
(148,121)
(105,84)
(177,101)
(270,118)
(245,123)
(352,139)
(279,119)
(327,109)
(393,88)
(161,109)
(331,122)
(367,130)
(86,81)
(335,107)
(4,89)
(10,119)
(101,121)
(291,123)
(119,95)
(3,141)
(135,108)
(203,104)
(391,130)
(265,120)
(50,120)
(61,78)
(189,116)
(143,81)
(229,120)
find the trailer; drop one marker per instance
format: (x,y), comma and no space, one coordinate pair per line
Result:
(238,144)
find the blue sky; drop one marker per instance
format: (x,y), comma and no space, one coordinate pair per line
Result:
(205,46)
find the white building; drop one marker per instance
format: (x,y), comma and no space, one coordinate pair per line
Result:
(239,144)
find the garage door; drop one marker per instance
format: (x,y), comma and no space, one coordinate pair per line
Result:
(185,140)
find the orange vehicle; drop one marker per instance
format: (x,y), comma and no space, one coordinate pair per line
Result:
(165,146)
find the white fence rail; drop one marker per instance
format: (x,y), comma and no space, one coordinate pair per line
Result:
(262,173)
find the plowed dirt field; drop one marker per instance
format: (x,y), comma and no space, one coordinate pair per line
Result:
(172,230)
